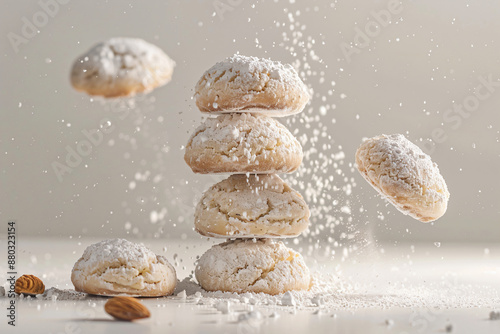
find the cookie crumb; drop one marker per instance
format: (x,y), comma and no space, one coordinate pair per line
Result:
(182,294)
(275,315)
(317,300)
(287,299)
(495,315)
(223,306)
(250,316)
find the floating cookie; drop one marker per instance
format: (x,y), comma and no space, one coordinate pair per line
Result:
(250,84)
(252,266)
(118,266)
(121,67)
(243,143)
(406,176)
(251,206)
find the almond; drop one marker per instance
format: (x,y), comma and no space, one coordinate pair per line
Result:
(126,308)
(29,285)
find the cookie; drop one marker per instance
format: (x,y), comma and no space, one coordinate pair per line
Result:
(253,206)
(406,176)
(252,266)
(121,67)
(117,266)
(250,84)
(243,143)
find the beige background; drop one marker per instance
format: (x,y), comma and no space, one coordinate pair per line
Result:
(412,72)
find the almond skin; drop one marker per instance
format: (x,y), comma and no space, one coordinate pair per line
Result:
(126,308)
(29,285)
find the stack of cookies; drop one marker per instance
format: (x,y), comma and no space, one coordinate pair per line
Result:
(254,205)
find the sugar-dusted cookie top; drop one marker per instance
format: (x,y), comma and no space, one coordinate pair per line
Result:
(406,176)
(249,206)
(250,84)
(121,67)
(243,143)
(118,266)
(252,266)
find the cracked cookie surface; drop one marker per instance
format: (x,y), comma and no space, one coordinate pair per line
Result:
(250,84)
(404,175)
(121,67)
(251,206)
(118,266)
(261,265)
(243,143)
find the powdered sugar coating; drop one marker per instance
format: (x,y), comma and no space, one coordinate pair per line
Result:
(405,175)
(120,67)
(250,84)
(251,206)
(118,266)
(252,266)
(332,292)
(62,294)
(243,143)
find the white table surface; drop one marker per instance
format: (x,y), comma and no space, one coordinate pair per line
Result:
(472,270)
